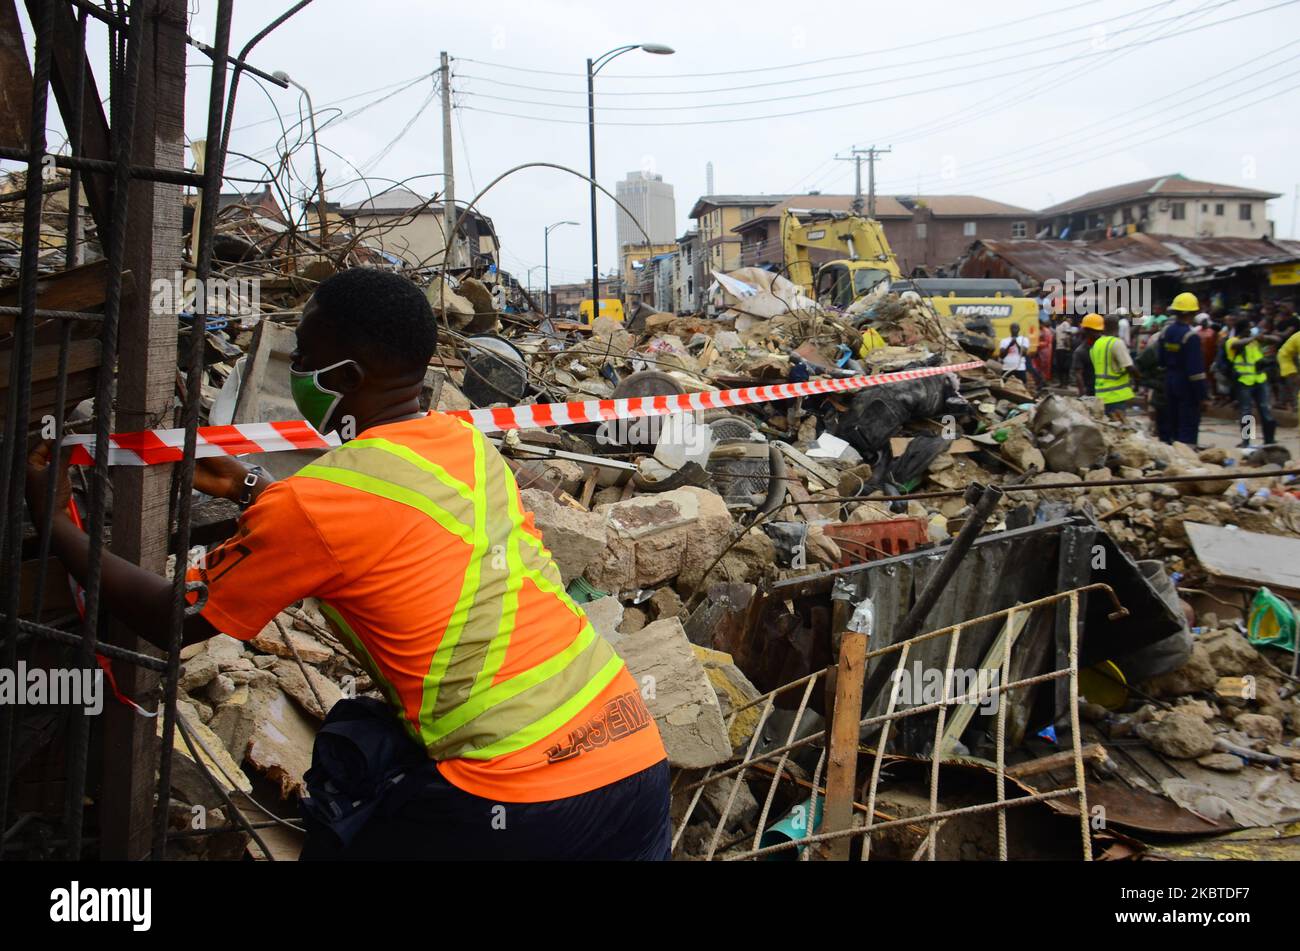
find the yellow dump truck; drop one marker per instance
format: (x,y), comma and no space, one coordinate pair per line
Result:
(989,307)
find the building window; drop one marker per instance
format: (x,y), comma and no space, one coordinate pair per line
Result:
(1178,211)
(1146,212)
(968,229)
(1204,207)
(920,229)
(1019,229)
(1127,217)
(746,214)
(1243,211)
(1218,209)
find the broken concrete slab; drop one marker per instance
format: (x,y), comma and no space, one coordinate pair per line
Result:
(197,672)
(311,650)
(574,537)
(655,538)
(605,615)
(292,682)
(678,693)
(281,743)
(187,779)
(734,692)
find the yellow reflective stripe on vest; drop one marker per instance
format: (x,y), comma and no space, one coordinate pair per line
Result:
(360,469)
(1110,383)
(437,677)
(462,712)
(1245,361)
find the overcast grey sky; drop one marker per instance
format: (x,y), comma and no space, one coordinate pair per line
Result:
(1026,102)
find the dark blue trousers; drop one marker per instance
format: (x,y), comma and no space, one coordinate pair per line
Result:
(373,795)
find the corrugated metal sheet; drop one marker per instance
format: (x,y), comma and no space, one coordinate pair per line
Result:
(1138,255)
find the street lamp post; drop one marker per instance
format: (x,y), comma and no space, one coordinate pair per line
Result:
(546,267)
(593,67)
(320,179)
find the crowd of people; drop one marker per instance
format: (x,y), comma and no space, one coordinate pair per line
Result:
(1177,361)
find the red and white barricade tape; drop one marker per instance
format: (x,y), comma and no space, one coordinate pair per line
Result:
(154,447)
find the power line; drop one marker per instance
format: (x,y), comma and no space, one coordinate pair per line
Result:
(928,42)
(382,153)
(818,93)
(874,68)
(847,105)
(993,172)
(404,83)
(1200,119)
(964,117)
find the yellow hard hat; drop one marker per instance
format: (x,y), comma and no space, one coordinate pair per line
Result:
(1186,302)
(1094,322)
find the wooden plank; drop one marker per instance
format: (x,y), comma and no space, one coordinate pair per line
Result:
(961,715)
(842,768)
(898,445)
(82,355)
(15,80)
(145,385)
(68,58)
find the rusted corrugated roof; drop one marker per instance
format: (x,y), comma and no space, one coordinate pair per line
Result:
(1139,255)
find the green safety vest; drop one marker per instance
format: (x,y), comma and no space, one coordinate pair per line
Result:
(1111,383)
(1244,362)
(463,712)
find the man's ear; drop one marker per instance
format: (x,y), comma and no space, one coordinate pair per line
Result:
(349,377)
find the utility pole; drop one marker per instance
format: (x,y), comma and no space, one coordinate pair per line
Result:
(871,178)
(449,178)
(855,156)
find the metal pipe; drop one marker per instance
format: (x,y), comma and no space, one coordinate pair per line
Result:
(985,499)
(172,176)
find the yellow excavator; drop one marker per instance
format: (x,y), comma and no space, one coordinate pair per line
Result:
(839,282)
(991,306)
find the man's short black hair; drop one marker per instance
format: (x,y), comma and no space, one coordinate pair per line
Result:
(384,314)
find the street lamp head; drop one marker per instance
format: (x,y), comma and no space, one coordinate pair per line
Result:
(658,48)
(281,75)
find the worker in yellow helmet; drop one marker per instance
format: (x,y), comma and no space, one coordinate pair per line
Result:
(1112,366)
(1184,362)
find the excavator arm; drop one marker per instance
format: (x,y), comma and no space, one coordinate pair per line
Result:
(856,239)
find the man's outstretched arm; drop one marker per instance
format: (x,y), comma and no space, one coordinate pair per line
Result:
(135,596)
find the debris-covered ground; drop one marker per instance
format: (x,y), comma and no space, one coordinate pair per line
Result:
(712,548)
(667,532)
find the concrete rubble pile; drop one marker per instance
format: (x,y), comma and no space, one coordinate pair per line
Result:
(664,528)
(654,524)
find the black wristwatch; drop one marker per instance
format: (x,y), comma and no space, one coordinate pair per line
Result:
(246,496)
